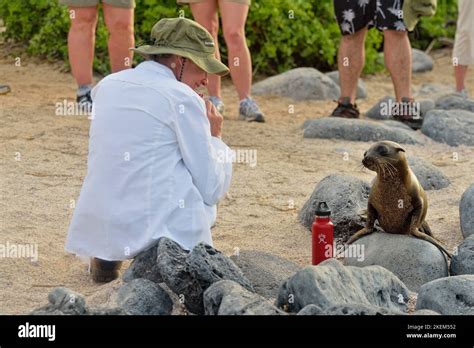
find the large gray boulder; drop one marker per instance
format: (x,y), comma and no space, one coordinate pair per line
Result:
(466,212)
(358,130)
(144,266)
(425,312)
(360,309)
(449,296)
(455,101)
(332,284)
(144,297)
(266,272)
(414,261)
(189,274)
(421,62)
(209,266)
(311,309)
(171,262)
(63,301)
(361,90)
(463,259)
(346,196)
(383,108)
(299,84)
(429,176)
(226,297)
(434,90)
(348,309)
(453,127)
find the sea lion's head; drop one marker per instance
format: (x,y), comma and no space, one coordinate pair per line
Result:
(384,158)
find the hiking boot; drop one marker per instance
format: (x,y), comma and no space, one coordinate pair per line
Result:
(346,109)
(103,271)
(4,89)
(408,112)
(250,111)
(218,103)
(84,102)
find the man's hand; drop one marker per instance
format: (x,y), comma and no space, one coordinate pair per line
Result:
(215,119)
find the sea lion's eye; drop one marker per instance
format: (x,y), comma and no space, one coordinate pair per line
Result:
(382,150)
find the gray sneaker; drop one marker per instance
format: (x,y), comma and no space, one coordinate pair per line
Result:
(218,103)
(463,94)
(250,111)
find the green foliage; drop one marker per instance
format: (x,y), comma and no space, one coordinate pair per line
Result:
(440,25)
(282,34)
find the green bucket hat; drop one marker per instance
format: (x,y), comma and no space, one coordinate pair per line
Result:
(414,9)
(186,38)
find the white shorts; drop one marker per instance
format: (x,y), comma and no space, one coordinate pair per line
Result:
(463,53)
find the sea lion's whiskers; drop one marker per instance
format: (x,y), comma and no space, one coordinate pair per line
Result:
(359,168)
(381,169)
(393,167)
(386,172)
(389,169)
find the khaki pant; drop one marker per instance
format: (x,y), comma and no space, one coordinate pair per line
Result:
(90,3)
(463,53)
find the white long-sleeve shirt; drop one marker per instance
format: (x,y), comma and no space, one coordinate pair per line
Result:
(153,168)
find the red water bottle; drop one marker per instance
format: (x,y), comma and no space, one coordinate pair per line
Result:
(322,234)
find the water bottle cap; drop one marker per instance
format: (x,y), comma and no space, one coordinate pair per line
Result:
(323,209)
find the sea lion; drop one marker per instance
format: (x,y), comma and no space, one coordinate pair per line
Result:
(396,200)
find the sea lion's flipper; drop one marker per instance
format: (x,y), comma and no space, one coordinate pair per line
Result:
(425,228)
(416,225)
(363,232)
(369,225)
(421,235)
(363,214)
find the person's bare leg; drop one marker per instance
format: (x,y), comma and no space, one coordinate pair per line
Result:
(460,73)
(350,61)
(81,42)
(119,22)
(234,16)
(205,13)
(398,60)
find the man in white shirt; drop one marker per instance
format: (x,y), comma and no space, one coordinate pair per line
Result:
(153,168)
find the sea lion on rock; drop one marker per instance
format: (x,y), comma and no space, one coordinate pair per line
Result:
(396,200)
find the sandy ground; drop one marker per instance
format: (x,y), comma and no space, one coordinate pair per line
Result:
(44,162)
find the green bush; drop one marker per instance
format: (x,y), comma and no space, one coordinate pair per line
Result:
(282,34)
(435,27)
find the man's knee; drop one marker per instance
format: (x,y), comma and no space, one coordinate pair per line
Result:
(212,26)
(82,19)
(234,38)
(395,35)
(357,38)
(121,24)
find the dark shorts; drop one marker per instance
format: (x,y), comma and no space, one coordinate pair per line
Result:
(354,15)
